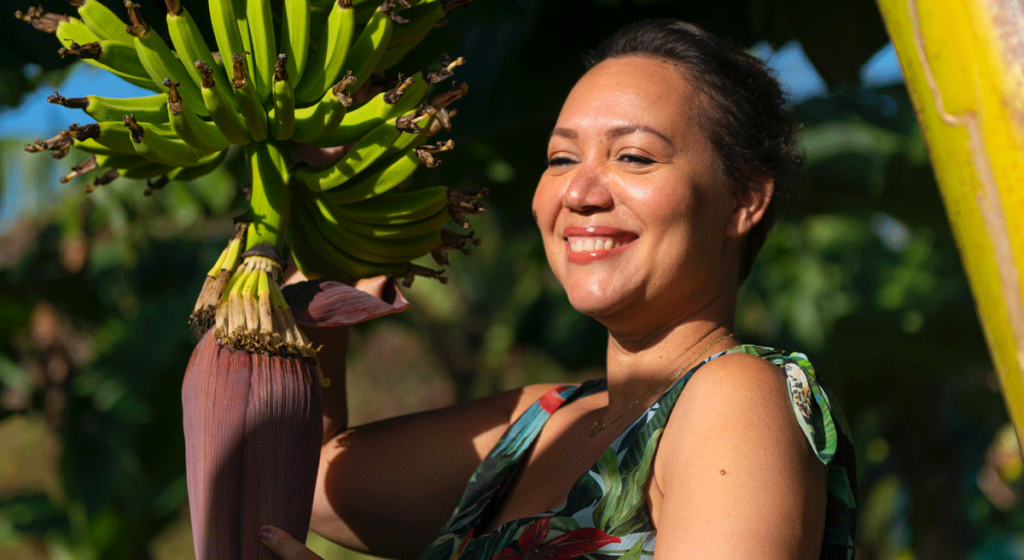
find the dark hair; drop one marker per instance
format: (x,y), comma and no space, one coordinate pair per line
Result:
(742,109)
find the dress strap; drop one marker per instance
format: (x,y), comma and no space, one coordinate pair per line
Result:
(485,487)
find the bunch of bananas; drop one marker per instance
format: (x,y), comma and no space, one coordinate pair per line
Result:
(273,92)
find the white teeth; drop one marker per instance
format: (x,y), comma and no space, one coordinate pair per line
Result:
(590,244)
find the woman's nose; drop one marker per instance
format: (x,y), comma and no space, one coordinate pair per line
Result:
(587,190)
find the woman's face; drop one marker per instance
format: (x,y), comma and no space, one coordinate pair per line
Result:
(635,217)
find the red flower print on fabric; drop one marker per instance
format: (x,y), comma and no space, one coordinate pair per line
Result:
(553,399)
(534,544)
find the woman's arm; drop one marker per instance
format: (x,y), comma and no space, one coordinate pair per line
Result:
(734,476)
(388,487)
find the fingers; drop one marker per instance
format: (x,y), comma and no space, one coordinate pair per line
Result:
(285,546)
(374,286)
(292,274)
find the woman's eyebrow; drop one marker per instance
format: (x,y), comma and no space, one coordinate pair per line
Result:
(630,129)
(614,132)
(565,133)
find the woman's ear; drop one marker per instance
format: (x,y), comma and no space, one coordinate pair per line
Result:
(750,206)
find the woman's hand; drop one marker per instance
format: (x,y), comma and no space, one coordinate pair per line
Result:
(285,546)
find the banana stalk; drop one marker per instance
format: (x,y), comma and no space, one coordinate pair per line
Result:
(964,68)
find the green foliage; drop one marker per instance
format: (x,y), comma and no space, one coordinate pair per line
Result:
(861,273)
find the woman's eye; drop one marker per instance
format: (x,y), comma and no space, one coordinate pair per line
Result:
(558,161)
(636,159)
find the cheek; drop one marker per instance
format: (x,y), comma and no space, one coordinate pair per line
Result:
(546,203)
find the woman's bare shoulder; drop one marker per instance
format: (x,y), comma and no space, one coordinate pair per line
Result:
(737,397)
(733,467)
(733,416)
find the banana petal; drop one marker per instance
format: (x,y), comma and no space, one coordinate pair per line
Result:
(331,304)
(253,430)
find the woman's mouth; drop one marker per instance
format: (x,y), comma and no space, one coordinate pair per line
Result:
(588,244)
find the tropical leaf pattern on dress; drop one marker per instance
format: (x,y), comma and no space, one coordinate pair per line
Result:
(605,516)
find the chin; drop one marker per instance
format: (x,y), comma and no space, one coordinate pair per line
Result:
(596,305)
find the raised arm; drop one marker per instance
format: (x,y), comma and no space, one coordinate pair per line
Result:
(388,487)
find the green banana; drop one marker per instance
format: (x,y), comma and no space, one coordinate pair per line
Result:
(381,177)
(121,161)
(248,99)
(312,123)
(325,64)
(369,47)
(224,116)
(154,169)
(326,259)
(390,137)
(197,171)
(364,9)
(295,36)
(91,146)
(190,46)
(113,56)
(395,207)
(264,45)
(433,222)
(371,249)
(225,28)
(369,115)
(201,135)
(151,108)
(242,25)
(159,61)
(364,153)
(74,30)
(282,124)
(421,19)
(101,20)
(108,137)
(161,149)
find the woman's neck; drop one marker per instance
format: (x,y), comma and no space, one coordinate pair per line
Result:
(642,361)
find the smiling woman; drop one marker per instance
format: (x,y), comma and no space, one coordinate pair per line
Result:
(665,169)
(615,177)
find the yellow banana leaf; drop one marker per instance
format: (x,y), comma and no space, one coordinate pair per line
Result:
(963,61)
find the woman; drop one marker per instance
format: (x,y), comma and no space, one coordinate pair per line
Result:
(665,169)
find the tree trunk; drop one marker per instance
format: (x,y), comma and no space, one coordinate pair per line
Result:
(963,61)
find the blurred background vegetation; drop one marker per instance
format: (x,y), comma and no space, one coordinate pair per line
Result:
(861,274)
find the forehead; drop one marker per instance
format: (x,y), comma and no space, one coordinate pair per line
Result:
(633,90)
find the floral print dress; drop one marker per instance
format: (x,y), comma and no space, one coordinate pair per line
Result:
(605,515)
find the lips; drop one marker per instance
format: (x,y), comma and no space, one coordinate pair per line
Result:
(591,243)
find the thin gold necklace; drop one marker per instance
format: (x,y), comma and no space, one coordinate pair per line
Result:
(600,425)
